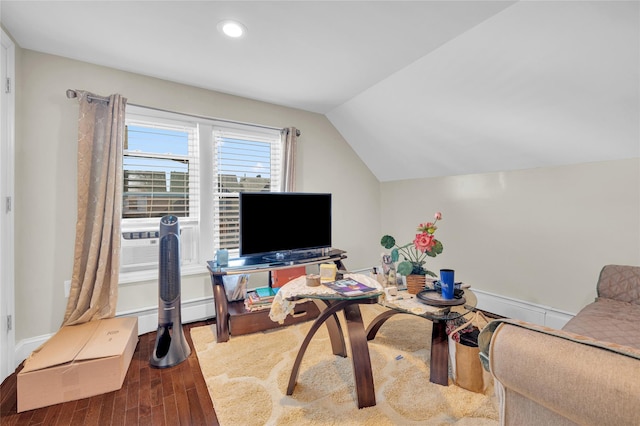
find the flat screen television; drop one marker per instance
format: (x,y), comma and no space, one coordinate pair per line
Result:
(284,225)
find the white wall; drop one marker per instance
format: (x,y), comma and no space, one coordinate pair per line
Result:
(46,178)
(537,235)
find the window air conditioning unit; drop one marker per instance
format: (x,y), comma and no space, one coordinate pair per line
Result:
(139,249)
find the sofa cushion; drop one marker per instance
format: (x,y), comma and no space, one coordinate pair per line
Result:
(610,321)
(620,282)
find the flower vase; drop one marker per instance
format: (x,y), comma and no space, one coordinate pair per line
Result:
(415,283)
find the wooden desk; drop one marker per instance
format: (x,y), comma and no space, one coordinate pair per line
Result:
(249,266)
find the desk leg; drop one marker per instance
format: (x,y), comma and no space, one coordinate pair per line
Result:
(361,359)
(377,322)
(439,365)
(336,336)
(222,310)
(329,312)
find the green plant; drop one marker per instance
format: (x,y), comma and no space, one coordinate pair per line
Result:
(414,254)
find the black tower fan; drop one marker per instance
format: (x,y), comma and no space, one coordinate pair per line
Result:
(171,346)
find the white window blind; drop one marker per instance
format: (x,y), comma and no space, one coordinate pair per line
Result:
(246,160)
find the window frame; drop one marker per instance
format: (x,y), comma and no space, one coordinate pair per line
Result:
(206,185)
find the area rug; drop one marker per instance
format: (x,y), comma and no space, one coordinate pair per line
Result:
(247,379)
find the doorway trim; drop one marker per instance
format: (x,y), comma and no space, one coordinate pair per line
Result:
(7,168)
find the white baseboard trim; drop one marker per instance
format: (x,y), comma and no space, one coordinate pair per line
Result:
(522,310)
(191,311)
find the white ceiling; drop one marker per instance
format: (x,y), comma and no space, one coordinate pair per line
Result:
(417,88)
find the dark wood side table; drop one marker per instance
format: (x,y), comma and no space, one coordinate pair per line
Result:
(252,265)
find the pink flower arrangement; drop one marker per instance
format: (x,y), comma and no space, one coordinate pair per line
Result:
(415,253)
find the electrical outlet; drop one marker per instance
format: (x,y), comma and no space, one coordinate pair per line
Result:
(67,288)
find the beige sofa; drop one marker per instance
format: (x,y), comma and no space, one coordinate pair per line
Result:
(588,373)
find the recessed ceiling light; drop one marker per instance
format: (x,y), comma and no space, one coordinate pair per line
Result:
(233,29)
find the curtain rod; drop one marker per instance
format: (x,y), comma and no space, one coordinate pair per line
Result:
(71,94)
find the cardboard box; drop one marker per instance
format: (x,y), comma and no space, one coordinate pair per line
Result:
(79,361)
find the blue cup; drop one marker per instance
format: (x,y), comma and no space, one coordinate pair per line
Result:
(447,283)
(222,257)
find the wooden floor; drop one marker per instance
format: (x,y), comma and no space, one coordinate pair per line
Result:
(149,396)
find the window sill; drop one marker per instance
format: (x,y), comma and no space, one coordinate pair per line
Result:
(152,274)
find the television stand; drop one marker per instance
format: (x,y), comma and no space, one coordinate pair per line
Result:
(246,321)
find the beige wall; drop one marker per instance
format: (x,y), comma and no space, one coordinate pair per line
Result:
(539,235)
(46,178)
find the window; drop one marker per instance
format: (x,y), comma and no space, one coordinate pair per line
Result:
(156,171)
(193,168)
(245,162)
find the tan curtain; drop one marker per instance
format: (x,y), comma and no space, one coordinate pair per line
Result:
(290,139)
(96,262)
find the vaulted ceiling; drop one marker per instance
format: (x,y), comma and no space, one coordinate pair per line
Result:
(417,88)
